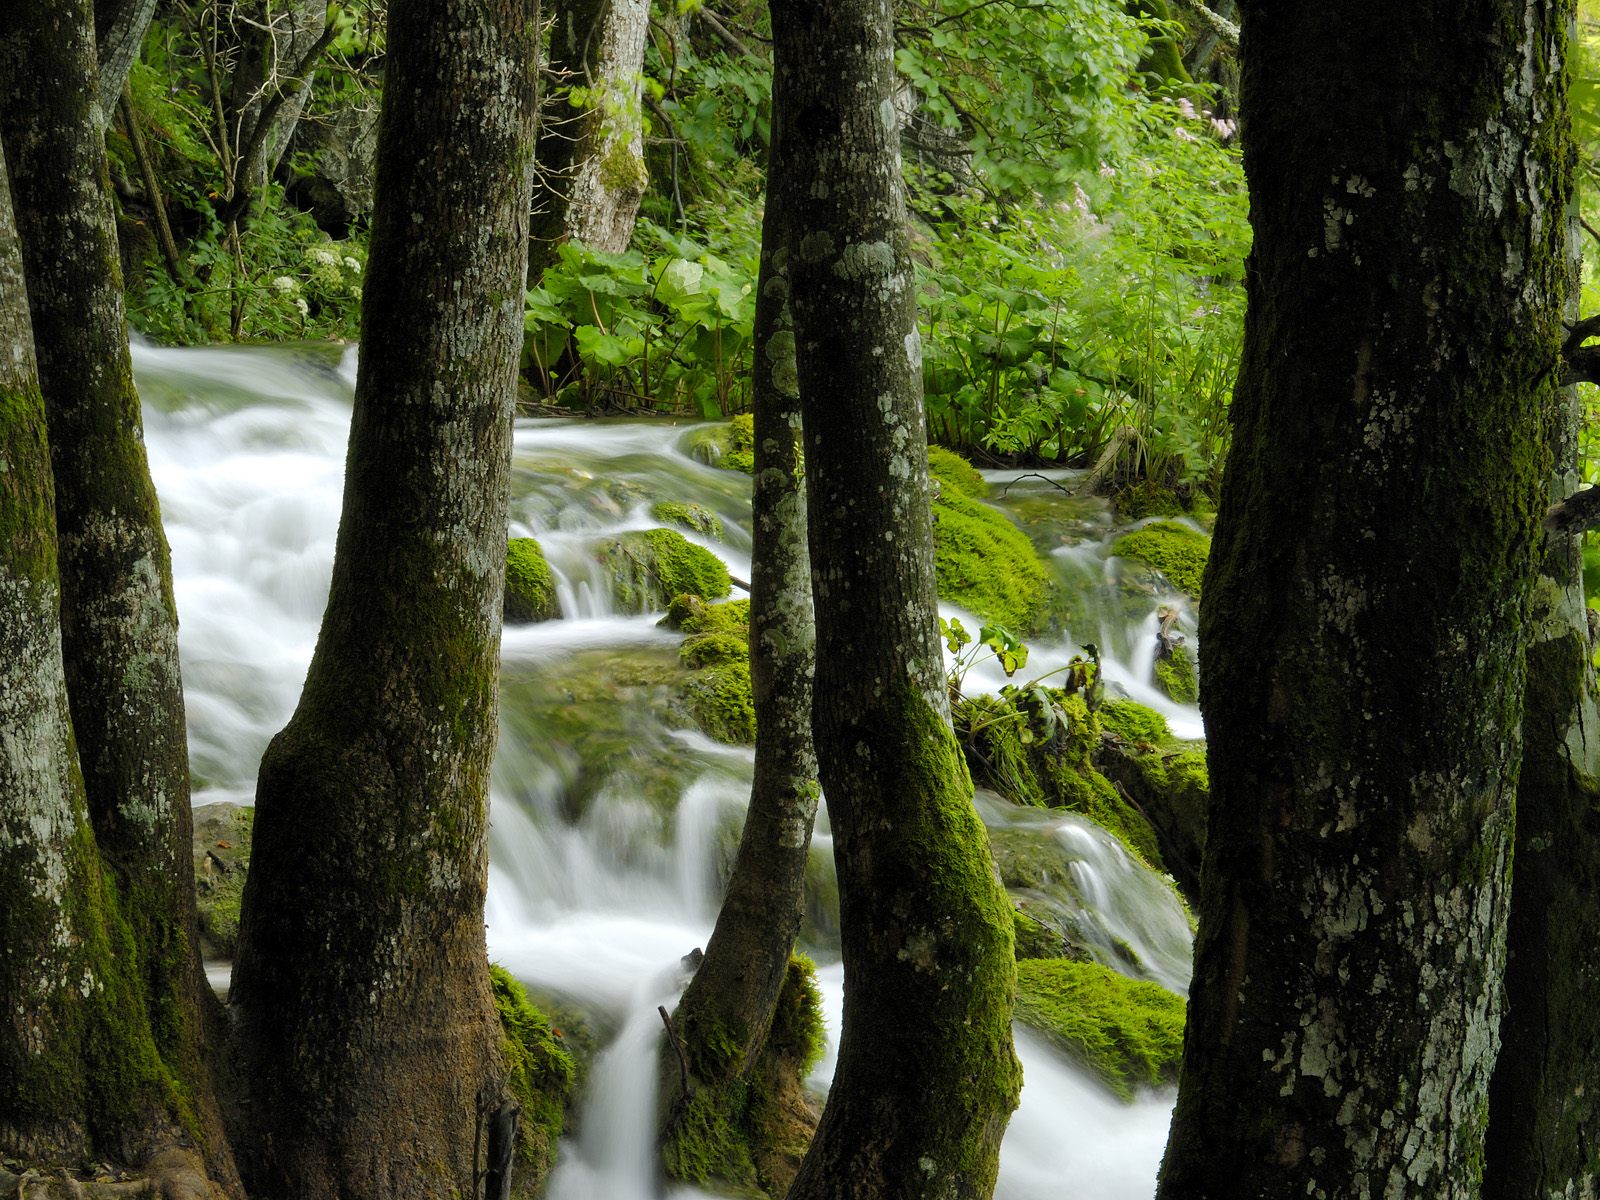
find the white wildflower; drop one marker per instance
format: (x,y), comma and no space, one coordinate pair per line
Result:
(1187,109)
(1107,171)
(305,309)
(284,283)
(352,266)
(323,256)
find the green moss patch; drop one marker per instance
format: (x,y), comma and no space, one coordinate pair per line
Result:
(1146,498)
(720,701)
(530,587)
(1175,675)
(718,695)
(1167,778)
(1133,722)
(650,567)
(1129,1033)
(222,839)
(731,446)
(696,518)
(1175,550)
(540,1074)
(982,561)
(1035,940)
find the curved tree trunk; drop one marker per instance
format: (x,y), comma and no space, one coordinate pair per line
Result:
(366,1027)
(1367,595)
(727,1009)
(926,1077)
(1544,1115)
(119,625)
(119,27)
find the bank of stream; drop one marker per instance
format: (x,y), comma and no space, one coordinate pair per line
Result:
(612,822)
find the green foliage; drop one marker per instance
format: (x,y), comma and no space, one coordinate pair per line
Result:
(530,587)
(667,333)
(982,561)
(539,1072)
(1175,550)
(1128,1032)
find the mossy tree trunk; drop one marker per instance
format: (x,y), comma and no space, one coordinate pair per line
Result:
(727,1010)
(591,157)
(1367,597)
(366,1028)
(1544,1115)
(926,1076)
(118,621)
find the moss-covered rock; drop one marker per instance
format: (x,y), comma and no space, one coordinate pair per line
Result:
(1175,675)
(691,614)
(1035,939)
(1146,498)
(731,446)
(222,838)
(1168,779)
(539,1073)
(720,700)
(1048,767)
(982,561)
(1129,1033)
(718,694)
(530,587)
(1175,550)
(746,1137)
(650,567)
(696,518)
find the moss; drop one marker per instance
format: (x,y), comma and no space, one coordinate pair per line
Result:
(982,561)
(691,614)
(1129,1033)
(1175,550)
(530,587)
(720,701)
(1175,675)
(1035,940)
(223,836)
(1133,722)
(714,649)
(731,446)
(746,1136)
(539,1073)
(650,567)
(1147,498)
(694,517)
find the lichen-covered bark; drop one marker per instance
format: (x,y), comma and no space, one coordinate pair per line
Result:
(591,159)
(926,1077)
(1544,1115)
(727,1010)
(118,622)
(119,26)
(365,1023)
(1366,599)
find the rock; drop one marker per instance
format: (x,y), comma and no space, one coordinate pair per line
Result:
(651,567)
(222,838)
(530,587)
(1168,779)
(731,446)
(982,561)
(1176,550)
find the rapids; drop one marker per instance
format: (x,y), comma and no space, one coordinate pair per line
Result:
(597,902)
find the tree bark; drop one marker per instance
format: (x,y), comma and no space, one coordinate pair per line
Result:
(119,27)
(1544,1125)
(591,159)
(119,624)
(1367,596)
(727,1009)
(366,1026)
(278,50)
(926,1076)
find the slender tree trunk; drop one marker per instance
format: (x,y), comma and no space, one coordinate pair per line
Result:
(591,159)
(119,27)
(119,625)
(926,1077)
(366,1027)
(1367,597)
(1544,1120)
(727,1010)
(279,45)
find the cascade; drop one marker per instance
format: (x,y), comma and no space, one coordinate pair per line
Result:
(604,868)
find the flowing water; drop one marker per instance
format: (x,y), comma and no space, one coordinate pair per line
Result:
(610,829)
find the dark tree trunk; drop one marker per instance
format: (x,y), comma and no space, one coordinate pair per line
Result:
(119,625)
(1366,599)
(366,1026)
(1544,1112)
(119,27)
(926,1077)
(727,1010)
(280,44)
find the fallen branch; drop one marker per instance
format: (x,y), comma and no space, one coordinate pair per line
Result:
(1221,26)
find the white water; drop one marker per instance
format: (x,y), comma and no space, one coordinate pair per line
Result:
(598,905)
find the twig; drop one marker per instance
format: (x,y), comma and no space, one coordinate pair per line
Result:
(683,1060)
(1055,483)
(726,34)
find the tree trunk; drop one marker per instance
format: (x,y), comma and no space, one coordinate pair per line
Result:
(591,160)
(926,1077)
(1544,1123)
(1367,595)
(727,1010)
(119,27)
(279,47)
(366,1026)
(119,625)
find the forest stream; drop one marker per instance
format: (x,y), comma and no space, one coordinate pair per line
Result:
(610,826)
